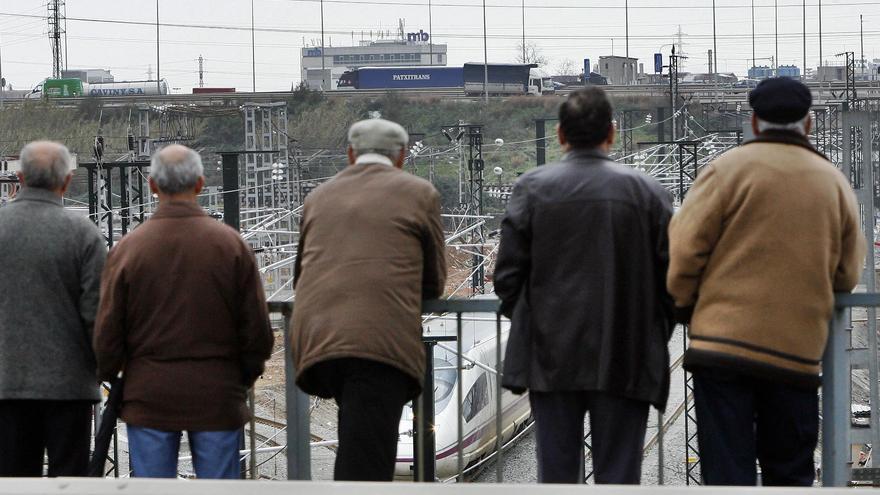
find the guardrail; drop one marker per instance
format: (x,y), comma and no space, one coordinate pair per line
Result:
(424,448)
(836,403)
(837,365)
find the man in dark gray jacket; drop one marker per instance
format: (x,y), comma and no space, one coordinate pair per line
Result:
(581,270)
(49,280)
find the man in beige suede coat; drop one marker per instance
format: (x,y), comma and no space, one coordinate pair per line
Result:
(767,234)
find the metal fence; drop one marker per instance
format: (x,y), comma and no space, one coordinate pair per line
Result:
(838,432)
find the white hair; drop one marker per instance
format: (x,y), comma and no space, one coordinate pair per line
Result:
(798,126)
(176,173)
(45,170)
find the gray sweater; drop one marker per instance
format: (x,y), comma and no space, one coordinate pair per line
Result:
(49,283)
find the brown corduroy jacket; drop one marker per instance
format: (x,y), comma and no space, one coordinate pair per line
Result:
(766,235)
(371,248)
(183,312)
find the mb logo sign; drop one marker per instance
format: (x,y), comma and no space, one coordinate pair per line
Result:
(420,36)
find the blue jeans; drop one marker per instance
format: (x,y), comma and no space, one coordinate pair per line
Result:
(154,453)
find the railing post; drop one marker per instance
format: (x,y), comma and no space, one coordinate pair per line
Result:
(499,411)
(836,400)
(299,456)
(424,440)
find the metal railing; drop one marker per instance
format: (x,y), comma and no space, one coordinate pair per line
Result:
(837,431)
(424,447)
(838,363)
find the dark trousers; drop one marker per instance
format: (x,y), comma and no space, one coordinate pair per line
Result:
(618,434)
(370,396)
(741,419)
(28,428)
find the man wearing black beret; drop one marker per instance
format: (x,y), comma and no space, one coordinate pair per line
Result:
(766,235)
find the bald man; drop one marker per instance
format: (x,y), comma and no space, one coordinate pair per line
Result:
(184,313)
(49,279)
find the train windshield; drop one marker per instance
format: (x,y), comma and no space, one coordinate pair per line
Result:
(444,382)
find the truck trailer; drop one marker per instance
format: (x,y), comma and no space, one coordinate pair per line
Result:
(73,88)
(402,78)
(503,79)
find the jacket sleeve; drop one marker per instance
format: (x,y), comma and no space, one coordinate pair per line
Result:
(663,214)
(255,337)
(853,246)
(110,331)
(693,234)
(514,252)
(434,252)
(92,261)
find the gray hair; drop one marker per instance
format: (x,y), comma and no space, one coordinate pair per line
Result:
(45,164)
(175,172)
(378,136)
(798,126)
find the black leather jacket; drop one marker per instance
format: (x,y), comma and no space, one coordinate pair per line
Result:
(581,271)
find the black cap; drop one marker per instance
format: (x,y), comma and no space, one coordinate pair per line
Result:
(781,100)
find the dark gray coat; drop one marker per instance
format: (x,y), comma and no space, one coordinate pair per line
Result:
(49,282)
(581,270)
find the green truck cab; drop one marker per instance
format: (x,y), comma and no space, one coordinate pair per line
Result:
(58,88)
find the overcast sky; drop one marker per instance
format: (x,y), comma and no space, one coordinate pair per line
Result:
(120,35)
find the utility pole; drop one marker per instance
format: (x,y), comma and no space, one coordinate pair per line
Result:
(819,68)
(626,22)
(64,6)
(430,35)
(753,35)
(323,67)
(485,58)
(776,36)
(2,81)
(862,40)
(714,63)
(524,30)
(254,51)
(56,29)
(804,73)
(158,77)
(201,72)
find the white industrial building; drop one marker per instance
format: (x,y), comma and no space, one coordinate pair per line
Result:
(410,49)
(619,70)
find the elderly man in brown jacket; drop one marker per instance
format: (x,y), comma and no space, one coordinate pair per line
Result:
(183,313)
(371,248)
(767,234)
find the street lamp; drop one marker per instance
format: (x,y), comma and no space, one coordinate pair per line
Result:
(277,176)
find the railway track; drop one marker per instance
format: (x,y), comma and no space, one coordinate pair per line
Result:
(280,426)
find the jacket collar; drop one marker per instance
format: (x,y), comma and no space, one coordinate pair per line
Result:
(585,153)
(178,209)
(785,137)
(373,159)
(37,194)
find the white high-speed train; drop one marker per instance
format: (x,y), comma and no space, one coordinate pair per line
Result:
(479,341)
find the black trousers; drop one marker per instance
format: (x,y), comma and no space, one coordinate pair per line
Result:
(370,396)
(28,428)
(618,434)
(741,419)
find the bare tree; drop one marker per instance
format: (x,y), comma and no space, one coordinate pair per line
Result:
(531,54)
(566,67)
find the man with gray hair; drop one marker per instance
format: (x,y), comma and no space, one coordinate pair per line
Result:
(184,314)
(371,247)
(49,280)
(768,232)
